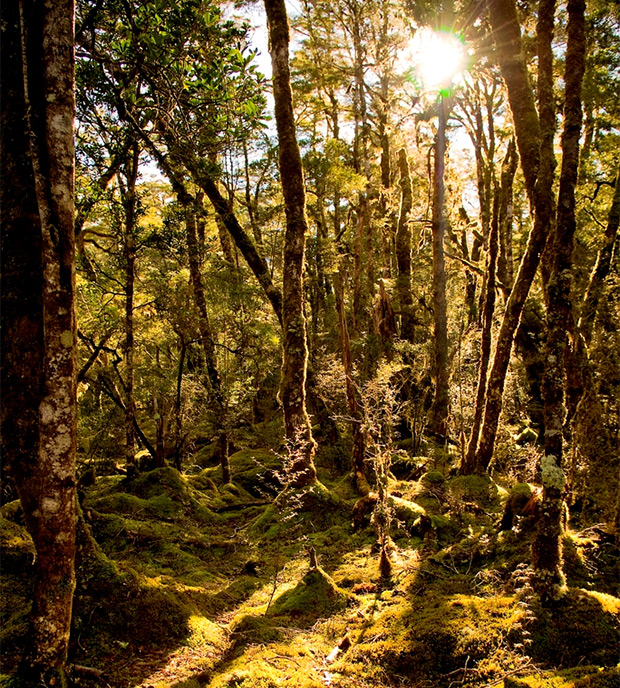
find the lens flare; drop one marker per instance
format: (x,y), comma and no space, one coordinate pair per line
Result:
(438,58)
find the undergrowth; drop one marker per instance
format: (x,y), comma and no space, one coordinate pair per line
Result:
(186,583)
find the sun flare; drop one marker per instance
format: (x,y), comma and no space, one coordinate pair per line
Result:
(438,58)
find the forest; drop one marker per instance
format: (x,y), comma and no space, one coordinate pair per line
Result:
(310,343)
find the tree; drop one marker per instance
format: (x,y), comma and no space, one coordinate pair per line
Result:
(295,352)
(547,547)
(440,411)
(38,316)
(534,130)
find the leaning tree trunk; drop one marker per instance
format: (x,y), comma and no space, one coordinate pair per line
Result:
(535,142)
(38,316)
(548,578)
(439,420)
(601,268)
(468,464)
(295,352)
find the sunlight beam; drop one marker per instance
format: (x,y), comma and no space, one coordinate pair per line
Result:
(438,58)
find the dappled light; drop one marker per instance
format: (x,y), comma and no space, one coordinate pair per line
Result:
(310,381)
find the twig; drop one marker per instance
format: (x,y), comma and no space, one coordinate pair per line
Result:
(509,673)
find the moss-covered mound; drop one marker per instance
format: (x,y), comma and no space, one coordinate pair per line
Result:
(315,596)
(583,625)
(577,677)
(300,510)
(438,634)
(479,489)
(258,471)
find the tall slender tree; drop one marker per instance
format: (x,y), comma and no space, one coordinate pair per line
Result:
(547,546)
(534,128)
(295,352)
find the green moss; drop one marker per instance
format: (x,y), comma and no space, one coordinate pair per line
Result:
(12,511)
(436,634)
(519,496)
(159,482)
(250,629)
(256,471)
(577,677)
(433,478)
(315,596)
(475,488)
(17,546)
(582,624)
(202,481)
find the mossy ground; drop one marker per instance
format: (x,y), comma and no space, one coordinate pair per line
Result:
(200,584)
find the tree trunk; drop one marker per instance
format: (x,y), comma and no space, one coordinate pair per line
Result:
(403,251)
(468,466)
(178,418)
(538,164)
(439,419)
(295,352)
(129,251)
(547,546)
(38,318)
(359,449)
(505,269)
(207,340)
(601,268)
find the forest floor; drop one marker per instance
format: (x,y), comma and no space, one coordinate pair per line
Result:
(195,584)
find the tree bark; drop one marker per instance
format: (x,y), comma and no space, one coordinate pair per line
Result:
(601,268)
(403,251)
(129,252)
(468,465)
(505,269)
(548,578)
(295,352)
(207,341)
(439,419)
(538,164)
(38,317)
(359,448)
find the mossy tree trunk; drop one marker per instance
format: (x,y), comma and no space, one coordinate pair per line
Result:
(295,352)
(601,268)
(403,250)
(534,135)
(468,464)
(440,410)
(38,315)
(547,545)
(505,269)
(359,448)
(207,339)
(129,254)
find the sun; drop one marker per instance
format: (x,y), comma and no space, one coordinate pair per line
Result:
(438,58)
